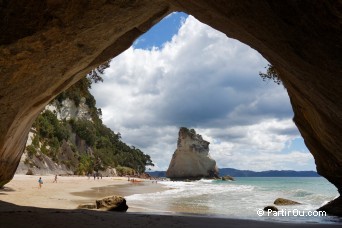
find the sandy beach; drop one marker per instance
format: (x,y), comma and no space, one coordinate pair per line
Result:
(69,191)
(23,204)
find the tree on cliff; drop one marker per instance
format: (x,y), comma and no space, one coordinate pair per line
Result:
(95,74)
(271,74)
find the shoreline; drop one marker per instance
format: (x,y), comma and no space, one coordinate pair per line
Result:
(69,191)
(22,204)
(127,189)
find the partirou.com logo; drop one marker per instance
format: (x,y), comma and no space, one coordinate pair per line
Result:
(293,212)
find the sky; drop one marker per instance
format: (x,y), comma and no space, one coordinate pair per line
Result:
(183,73)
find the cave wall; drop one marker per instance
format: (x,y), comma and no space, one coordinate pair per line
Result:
(47,45)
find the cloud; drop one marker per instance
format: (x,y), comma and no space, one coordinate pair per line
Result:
(201,79)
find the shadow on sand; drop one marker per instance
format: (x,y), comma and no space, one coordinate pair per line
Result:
(6,189)
(12,215)
(3,190)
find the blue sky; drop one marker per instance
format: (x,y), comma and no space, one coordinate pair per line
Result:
(161,32)
(184,73)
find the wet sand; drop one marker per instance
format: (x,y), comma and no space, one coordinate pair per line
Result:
(121,190)
(22,204)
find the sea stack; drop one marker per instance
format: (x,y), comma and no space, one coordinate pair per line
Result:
(191,160)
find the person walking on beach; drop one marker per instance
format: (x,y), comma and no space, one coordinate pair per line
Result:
(40,182)
(55,181)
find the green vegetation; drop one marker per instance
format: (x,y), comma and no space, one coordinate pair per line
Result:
(108,147)
(92,145)
(85,165)
(271,74)
(123,171)
(31,150)
(50,132)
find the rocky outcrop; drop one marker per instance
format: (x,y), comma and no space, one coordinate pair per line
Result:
(270,208)
(68,110)
(227,178)
(112,203)
(46,46)
(191,159)
(333,208)
(282,201)
(41,164)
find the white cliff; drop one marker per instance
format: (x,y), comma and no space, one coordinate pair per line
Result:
(43,164)
(68,110)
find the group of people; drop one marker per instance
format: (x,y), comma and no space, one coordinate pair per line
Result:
(95,174)
(40,181)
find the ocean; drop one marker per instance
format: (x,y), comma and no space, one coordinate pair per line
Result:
(243,198)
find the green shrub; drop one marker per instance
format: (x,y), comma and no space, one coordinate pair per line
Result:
(35,140)
(43,149)
(26,161)
(31,150)
(123,171)
(73,148)
(86,164)
(85,130)
(62,132)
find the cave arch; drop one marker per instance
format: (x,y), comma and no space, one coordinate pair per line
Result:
(46,46)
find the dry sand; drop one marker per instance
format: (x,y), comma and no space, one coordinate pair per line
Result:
(69,191)
(23,204)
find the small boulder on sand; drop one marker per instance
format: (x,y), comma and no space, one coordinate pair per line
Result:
(112,203)
(270,208)
(282,201)
(29,172)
